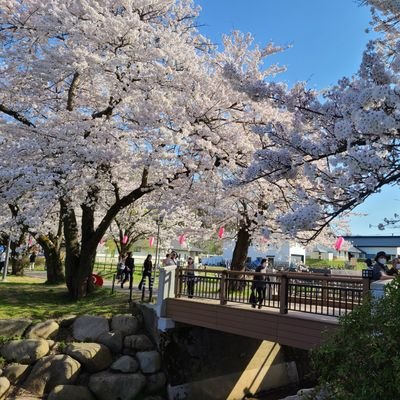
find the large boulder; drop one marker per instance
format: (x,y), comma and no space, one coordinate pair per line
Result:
(66,321)
(138,342)
(15,372)
(51,371)
(88,328)
(4,386)
(43,330)
(25,351)
(113,340)
(126,324)
(13,327)
(70,392)
(125,364)
(149,361)
(155,382)
(93,356)
(109,386)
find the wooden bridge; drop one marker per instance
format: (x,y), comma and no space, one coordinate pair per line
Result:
(298,307)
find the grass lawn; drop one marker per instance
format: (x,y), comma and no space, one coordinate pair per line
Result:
(26,297)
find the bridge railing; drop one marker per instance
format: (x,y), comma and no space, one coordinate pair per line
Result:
(286,291)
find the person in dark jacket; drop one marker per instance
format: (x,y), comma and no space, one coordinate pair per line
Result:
(380,271)
(259,284)
(190,278)
(147,268)
(32,259)
(129,269)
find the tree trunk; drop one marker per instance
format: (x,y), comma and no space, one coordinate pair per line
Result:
(79,259)
(54,267)
(241,248)
(18,260)
(81,283)
(239,258)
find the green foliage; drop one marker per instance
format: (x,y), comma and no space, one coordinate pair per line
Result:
(2,362)
(61,346)
(361,361)
(333,264)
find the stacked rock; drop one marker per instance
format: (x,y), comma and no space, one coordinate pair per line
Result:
(79,358)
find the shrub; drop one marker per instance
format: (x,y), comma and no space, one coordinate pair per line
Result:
(361,361)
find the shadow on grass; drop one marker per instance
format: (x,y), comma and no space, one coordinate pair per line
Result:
(41,301)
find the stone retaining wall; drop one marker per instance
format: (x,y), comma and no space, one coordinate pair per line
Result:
(79,358)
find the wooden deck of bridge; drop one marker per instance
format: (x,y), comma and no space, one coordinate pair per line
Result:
(296,329)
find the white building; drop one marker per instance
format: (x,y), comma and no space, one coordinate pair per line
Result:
(284,254)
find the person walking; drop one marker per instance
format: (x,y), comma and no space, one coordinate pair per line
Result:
(147,269)
(2,260)
(129,270)
(190,277)
(120,268)
(32,259)
(259,285)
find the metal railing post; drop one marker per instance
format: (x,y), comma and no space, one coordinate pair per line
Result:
(113,283)
(178,282)
(131,285)
(324,293)
(366,282)
(283,294)
(144,290)
(222,287)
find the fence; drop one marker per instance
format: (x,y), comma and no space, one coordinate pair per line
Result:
(285,291)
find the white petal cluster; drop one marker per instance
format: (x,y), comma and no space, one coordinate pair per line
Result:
(302,218)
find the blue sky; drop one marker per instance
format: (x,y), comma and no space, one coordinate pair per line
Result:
(327,38)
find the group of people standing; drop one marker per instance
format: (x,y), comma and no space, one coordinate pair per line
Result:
(126,269)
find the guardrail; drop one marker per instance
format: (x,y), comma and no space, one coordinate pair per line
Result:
(286,291)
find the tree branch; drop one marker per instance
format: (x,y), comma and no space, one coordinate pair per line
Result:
(16,115)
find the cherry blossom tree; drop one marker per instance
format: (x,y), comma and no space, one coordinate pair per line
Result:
(342,144)
(104,102)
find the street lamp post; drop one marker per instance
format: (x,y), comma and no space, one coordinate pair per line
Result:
(5,268)
(156,261)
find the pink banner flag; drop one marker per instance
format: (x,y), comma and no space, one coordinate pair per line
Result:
(151,241)
(182,240)
(339,243)
(125,239)
(221,232)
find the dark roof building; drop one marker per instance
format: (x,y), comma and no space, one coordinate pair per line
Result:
(370,245)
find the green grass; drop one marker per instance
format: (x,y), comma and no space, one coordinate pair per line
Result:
(24,297)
